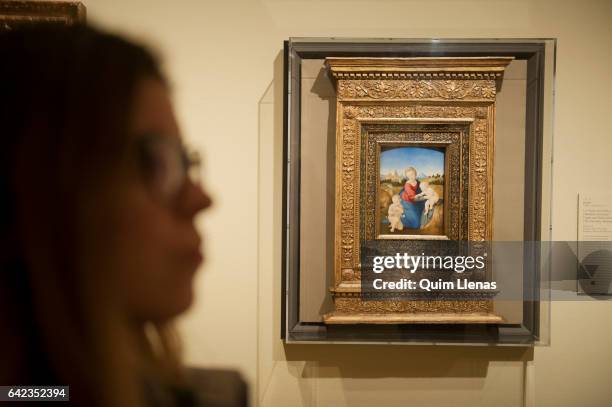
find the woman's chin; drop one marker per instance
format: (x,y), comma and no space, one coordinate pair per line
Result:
(185,301)
(179,303)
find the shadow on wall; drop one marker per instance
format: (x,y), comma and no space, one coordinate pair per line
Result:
(378,361)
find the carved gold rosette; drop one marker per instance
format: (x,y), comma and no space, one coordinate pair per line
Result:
(423,91)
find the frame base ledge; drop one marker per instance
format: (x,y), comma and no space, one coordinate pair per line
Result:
(413,318)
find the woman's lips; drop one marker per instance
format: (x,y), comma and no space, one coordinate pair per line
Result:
(198,261)
(192,254)
(195,257)
(193,250)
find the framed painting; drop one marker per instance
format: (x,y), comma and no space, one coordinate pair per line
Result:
(414,163)
(414,170)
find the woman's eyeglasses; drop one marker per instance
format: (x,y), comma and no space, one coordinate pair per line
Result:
(167,165)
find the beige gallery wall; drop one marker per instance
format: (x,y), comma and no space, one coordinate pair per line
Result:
(224,60)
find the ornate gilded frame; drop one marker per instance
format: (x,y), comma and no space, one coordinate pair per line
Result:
(430,90)
(16,14)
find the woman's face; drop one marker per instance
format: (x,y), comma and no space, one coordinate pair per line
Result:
(157,247)
(411,175)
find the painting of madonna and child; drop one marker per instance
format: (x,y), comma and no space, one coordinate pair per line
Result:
(411,191)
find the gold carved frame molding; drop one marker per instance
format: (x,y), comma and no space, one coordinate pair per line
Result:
(15,14)
(459,91)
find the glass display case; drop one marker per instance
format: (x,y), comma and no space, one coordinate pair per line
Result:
(432,147)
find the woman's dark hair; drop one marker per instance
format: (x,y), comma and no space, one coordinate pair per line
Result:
(66,97)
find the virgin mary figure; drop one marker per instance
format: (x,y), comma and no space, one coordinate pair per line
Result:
(413,208)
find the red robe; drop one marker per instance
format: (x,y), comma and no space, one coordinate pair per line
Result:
(409,192)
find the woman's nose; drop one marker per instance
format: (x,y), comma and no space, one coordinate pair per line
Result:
(195,199)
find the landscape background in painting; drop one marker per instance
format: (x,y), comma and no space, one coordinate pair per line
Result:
(429,164)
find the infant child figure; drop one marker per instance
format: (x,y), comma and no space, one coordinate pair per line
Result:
(430,196)
(396,210)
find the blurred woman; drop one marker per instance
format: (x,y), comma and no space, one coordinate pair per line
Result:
(98,244)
